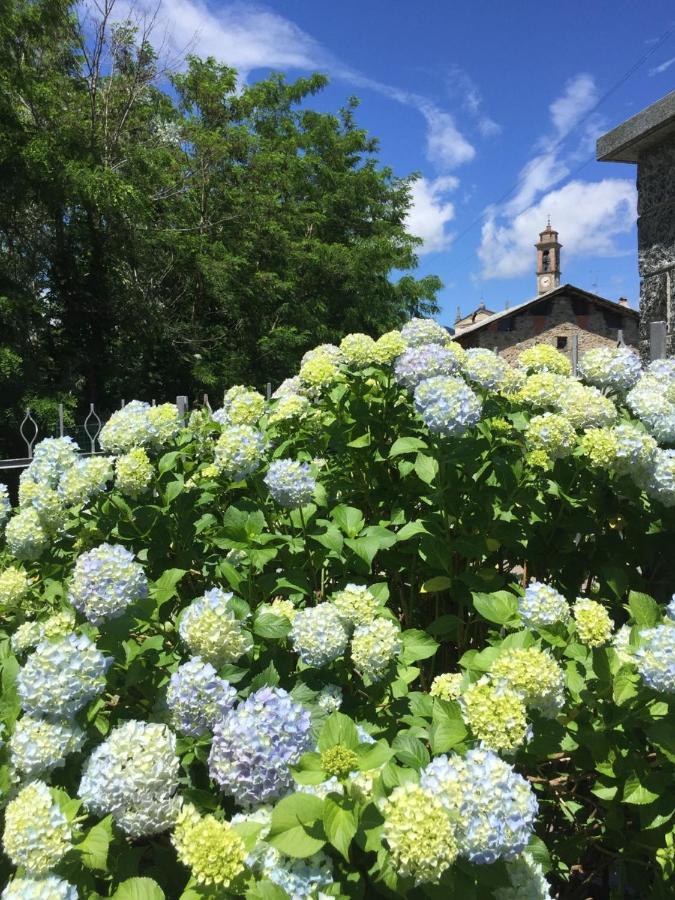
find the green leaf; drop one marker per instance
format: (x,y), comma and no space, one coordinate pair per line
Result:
(331,539)
(410,751)
(269,625)
(406,445)
(359,442)
(94,848)
(338,729)
(365,547)
(500,607)
(266,890)
(644,609)
(434,585)
(340,823)
(635,792)
(416,645)
(166,585)
(269,677)
(296,827)
(349,519)
(447,727)
(309,770)
(139,889)
(373,756)
(426,468)
(409,530)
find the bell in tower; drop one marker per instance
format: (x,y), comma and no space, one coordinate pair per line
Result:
(548,260)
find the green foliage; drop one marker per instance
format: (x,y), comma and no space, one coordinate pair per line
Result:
(161,240)
(447,549)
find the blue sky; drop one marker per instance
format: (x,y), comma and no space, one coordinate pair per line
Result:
(479,97)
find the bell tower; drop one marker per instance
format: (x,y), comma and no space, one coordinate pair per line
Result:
(548,260)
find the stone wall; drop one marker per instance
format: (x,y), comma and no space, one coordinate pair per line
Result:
(565,317)
(656,241)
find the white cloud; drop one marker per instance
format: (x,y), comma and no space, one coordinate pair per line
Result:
(579,97)
(461,85)
(447,148)
(588,215)
(431,211)
(658,70)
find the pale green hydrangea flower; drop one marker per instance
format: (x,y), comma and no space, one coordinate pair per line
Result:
(37,835)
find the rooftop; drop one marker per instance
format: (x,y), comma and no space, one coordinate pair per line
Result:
(631,138)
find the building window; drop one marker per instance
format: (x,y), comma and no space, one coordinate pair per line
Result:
(613,320)
(505,324)
(561,343)
(546,262)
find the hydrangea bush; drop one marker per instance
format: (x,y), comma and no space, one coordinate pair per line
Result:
(406,629)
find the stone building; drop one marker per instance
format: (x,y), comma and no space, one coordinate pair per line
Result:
(554,316)
(648,139)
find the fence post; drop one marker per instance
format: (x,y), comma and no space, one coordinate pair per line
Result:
(207,405)
(575,354)
(268,390)
(657,340)
(60,419)
(182,405)
(619,338)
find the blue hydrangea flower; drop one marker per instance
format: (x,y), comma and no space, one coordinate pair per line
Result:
(493,806)
(659,478)
(635,449)
(655,658)
(127,428)
(51,887)
(51,458)
(239,451)
(420,362)
(39,745)
(447,405)
(61,676)
(290,482)
(616,368)
(424,331)
(300,878)
(256,743)
(485,368)
(670,609)
(653,402)
(106,580)
(198,698)
(319,635)
(133,776)
(542,606)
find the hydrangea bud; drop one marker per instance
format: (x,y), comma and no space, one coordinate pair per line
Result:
(198,698)
(387,347)
(447,405)
(133,473)
(290,482)
(239,451)
(256,743)
(25,536)
(544,358)
(105,581)
(212,631)
(86,479)
(447,686)
(495,714)
(551,433)
(356,604)
(318,635)
(14,586)
(594,625)
(542,606)
(40,745)
(133,776)
(339,761)
(358,350)
(37,835)
(212,850)
(494,808)
(61,676)
(374,647)
(419,835)
(533,673)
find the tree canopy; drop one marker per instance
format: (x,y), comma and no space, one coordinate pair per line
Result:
(166,232)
